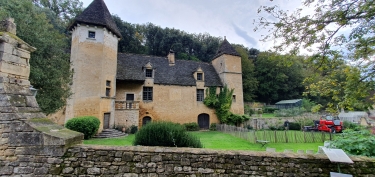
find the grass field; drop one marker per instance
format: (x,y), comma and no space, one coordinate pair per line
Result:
(268,115)
(216,140)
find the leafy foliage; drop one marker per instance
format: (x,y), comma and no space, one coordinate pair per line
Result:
(88,125)
(279,77)
(50,62)
(165,134)
(221,103)
(337,31)
(213,127)
(193,126)
(360,142)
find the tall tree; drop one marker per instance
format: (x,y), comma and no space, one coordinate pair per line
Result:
(249,82)
(50,62)
(280,77)
(334,26)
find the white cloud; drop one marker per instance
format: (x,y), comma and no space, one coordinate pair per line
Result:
(233,19)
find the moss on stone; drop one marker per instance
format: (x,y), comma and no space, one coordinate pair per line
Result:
(12,35)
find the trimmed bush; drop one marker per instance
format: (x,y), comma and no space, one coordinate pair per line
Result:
(165,134)
(193,126)
(88,125)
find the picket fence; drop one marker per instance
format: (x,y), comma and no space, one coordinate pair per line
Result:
(285,136)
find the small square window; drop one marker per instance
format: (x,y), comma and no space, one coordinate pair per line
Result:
(108,84)
(200,94)
(92,34)
(234,98)
(107,92)
(148,72)
(199,76)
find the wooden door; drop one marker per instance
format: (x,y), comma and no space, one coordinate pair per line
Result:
(107,116)
(204,121)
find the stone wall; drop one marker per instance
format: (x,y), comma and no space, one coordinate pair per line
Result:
(138,161)
(29,143)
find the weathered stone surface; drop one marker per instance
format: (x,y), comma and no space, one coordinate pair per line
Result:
(6,48)
(25,139)
(12,59)
(6,170)
(14,69)
(31,102)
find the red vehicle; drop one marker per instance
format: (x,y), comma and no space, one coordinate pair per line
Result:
(327,123)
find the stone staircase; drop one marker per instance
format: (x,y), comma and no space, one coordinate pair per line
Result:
(110,133)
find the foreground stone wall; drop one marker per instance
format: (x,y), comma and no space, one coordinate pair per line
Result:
(29,143)
(138,161)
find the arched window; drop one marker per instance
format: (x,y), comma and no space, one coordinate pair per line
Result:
(146,120)
(204,121)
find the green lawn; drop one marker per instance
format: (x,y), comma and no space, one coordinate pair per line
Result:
(268,115)
(216,140)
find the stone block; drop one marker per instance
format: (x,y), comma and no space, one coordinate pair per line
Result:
(8,25)
(25,139)
(31,101)
(8,116)
(22,53)
(6,170)
(23,170)
(14,69)
(6,48)
(17,100)
(7,109)
(17,89)
(9,58)
(41,171)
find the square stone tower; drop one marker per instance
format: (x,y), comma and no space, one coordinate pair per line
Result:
(94,60)
(227,64)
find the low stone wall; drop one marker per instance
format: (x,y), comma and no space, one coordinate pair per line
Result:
(138,161)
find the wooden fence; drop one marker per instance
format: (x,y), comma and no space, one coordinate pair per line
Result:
(276,136)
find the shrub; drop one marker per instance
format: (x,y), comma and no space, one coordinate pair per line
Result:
(269,110)
(88,125)
(165,134)
(356,142)
(133,129)
(213,127)
(193,126)
(351,125)
(294,126)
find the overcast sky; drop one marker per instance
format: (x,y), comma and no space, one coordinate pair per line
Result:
(230,18)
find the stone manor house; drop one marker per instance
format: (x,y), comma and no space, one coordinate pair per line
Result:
(131,89)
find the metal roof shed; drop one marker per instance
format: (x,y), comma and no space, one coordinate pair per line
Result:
(286,104)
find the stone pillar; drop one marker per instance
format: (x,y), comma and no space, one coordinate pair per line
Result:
(26,134)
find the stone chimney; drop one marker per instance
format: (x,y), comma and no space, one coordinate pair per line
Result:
(171,58)
(8,25)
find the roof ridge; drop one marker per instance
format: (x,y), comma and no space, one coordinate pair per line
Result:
(226,48)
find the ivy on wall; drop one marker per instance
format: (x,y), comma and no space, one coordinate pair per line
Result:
(222,104)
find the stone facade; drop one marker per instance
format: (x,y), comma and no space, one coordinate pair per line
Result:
(170,103)
(175,162)
(29,144)
(93,61)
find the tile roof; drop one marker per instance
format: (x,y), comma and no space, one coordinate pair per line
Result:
(130,68)
(226,48)
(289,101)
(97,14)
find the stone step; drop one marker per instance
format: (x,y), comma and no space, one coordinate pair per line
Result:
(110,133)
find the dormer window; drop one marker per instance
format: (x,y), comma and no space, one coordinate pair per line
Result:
(92,34)
(148,72)
(199,76)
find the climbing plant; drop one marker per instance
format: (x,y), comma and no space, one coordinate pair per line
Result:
(222,103)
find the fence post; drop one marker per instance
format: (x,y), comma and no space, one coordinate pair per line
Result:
(275,137)
(286,136)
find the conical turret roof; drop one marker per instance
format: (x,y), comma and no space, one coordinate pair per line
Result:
(97,14)
(226,48)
